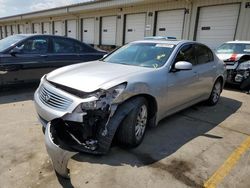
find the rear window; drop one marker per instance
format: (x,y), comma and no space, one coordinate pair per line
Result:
(229,48)
(64,45)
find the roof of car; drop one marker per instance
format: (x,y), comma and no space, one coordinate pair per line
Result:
(37,34)
(239,42)
(174,42)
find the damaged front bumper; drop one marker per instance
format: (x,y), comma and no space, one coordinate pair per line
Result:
(59,155)
(238,72)
(63,141)
(86,125)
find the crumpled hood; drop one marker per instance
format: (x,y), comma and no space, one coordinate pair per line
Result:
(93,75)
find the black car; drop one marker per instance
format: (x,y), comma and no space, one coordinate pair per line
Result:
(26,58)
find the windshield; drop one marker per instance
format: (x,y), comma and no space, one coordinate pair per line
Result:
(233,48)
(9,41)
(142,54)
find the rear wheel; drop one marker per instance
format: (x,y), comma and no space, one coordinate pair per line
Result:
(215,94)
(132,129)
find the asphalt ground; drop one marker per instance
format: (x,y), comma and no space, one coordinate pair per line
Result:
(200,146)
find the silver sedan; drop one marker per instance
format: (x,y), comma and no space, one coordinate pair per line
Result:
(85,106)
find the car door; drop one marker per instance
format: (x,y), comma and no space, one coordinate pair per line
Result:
(64,52)
(206,69)
(182,86)
(26,64)
(88,53)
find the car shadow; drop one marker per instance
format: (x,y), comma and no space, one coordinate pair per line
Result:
(17,93)
(172,133)
(235,88)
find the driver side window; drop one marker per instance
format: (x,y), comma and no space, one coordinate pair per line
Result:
(186,53)
(34,46)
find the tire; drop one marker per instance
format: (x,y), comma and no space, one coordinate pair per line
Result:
(132,129)
(215,94)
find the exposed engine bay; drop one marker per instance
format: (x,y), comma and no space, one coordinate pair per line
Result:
(239,72)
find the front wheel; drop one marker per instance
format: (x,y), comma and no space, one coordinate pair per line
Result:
(132,129)
(215,94)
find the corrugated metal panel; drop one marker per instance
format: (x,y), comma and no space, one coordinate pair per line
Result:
(135,27)
(36,28)
(88,30)
(109,30)
(1,33)
(217,24)
(8,29)
(14,29)
(170,23)
(72,28)
(47,28)
(21,28)
(4,31)
(58,28)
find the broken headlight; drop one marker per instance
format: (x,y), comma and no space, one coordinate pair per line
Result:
(102,98)
(244,66)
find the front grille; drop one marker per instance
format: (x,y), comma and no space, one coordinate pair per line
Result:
(53,100)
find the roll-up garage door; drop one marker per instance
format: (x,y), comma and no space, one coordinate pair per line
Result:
(36,28)
(135,27)
(9,30)
(217,24)
(170,23)
(88,30)
(14,29)
(27,28)
(46,28)
(20,29)
(4,31)
(108,30)
(58,28)
(72,29)
(1,32)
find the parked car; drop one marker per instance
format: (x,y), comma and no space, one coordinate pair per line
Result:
(27,57)
(232,51)
(84,106)
(236,55)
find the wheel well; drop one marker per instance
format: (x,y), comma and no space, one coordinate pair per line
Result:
(152,104)
(220,78)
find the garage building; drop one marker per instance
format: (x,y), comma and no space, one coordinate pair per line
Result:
(112,23)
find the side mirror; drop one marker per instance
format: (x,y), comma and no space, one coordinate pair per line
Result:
(183,65)
(15,51)
(105,55)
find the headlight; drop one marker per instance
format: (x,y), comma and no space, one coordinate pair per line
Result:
(103,98)
(115,92)
(244,66)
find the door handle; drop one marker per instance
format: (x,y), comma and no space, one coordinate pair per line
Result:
(43,55)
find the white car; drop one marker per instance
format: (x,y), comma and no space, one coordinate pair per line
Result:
(232,51)
(236,55)
(85,106)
